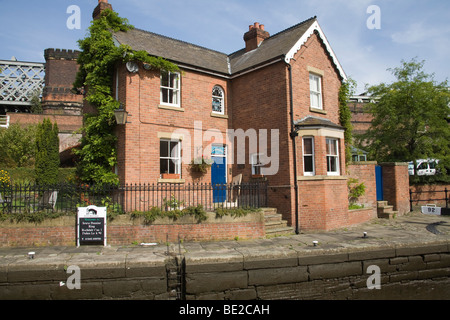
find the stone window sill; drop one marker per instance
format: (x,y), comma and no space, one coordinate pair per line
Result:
(321,177)
(179,181)
(317,110)
(161,106)
(219,115)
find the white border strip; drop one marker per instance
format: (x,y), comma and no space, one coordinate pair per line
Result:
(305,37)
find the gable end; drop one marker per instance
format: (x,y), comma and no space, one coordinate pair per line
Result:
(315,28)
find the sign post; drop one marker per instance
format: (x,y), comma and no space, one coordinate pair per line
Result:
(91,225)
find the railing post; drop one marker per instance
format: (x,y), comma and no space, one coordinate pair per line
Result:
(410,201)
(446,198)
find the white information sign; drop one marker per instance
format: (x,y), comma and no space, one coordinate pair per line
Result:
(91,225)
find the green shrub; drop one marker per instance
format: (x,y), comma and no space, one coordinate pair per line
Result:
(150,216)
(47,153)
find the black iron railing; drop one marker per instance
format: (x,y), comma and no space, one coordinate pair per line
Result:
(66,198)
(413,199)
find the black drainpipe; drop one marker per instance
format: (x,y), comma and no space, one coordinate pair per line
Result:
(293,135)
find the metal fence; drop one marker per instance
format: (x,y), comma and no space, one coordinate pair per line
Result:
(66,198)
(413,199)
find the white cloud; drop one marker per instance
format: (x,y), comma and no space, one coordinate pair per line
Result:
(415,33)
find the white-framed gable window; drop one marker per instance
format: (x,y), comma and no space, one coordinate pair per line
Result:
(315,90)
(332,156)
(170,88)
(218,100)
(308,156)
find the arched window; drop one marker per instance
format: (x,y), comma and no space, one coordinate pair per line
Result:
(218,100)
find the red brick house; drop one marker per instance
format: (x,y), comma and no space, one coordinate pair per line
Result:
(283,87)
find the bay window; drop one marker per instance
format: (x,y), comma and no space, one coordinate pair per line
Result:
(308,156)
(332,146)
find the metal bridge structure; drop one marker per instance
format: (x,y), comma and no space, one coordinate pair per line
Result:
(20,82)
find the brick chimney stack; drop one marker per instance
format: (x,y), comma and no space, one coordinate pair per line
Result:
(102,5)
(254,36)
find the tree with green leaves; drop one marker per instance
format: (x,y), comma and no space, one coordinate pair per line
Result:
(47,153)
(410,117)
(17,146)
(97,155)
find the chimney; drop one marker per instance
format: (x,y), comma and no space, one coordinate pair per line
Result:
(102,5)
(254,36)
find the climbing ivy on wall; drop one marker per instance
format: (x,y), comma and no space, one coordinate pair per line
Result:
(97,155)
(345,116)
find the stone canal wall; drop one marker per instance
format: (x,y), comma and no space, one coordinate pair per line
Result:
(414,271)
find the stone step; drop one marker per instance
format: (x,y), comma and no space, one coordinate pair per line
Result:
(269,211)
(280,231)
(387,215)
(382,203)
(272,217)
(275,224)
(385,211)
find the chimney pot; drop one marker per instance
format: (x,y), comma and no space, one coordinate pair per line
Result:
(254,36)
(102,5)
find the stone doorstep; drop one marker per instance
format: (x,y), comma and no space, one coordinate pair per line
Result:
(385,211)
(274,224)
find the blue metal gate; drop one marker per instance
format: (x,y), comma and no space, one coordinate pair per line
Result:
(379,182)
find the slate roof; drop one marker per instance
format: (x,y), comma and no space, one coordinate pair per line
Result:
(311,121)
(276,46)
(174,50)
(180,52)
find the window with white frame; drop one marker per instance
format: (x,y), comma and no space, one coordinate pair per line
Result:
(257,166)
(332,156)
(170,88)
(169,156)
(308,156)
(315,89)
(218,105)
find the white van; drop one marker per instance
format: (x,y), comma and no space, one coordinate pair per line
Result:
(425,167)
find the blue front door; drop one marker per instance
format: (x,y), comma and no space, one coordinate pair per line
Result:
(218,174)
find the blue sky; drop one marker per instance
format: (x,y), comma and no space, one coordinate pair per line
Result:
(408,28)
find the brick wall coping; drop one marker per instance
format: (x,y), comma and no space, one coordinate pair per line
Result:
(42,114)
(362,163)
(126,220)
(393,164)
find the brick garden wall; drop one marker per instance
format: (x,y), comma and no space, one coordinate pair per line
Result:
(396,185)
(365,173)
(66,123)
(432,194)
(124,231)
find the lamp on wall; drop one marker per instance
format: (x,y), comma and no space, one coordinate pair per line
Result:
(121,115)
